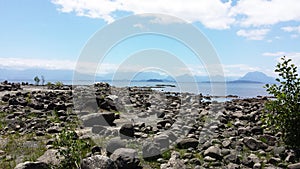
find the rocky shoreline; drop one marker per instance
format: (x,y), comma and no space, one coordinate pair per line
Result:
(136,127)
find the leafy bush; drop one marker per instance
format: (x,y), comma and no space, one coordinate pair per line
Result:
(71,149)
(283,113)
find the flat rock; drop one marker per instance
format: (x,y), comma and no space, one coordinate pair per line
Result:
(104,119)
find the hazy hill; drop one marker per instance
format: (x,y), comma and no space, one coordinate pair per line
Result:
(257,77)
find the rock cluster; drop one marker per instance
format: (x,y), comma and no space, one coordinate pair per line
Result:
(6,86)
(174,130)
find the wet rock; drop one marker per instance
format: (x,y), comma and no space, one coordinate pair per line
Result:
(126,158)
(98,162)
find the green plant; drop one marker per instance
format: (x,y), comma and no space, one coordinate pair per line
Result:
(37,80)
(283,113)
(166,155)
(49,85)
(59,84)
(70,148)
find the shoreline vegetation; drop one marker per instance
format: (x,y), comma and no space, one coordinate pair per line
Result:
(134,127)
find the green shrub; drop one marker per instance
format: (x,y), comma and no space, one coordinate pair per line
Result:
(70,148)
(59,84)
(283,113)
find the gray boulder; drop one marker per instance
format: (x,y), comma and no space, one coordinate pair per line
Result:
(98,162)
(151,150)
(114,144)
(126,158)
(162,140)
(104,119)
(50,157)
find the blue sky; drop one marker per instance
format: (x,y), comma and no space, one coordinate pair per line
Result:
(248,35)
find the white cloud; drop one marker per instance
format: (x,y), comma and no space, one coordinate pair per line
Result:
(294,29)
(29,63)
(25,63)
(265,12)
(276,54)
(212,14)
(295,56)
(255,34)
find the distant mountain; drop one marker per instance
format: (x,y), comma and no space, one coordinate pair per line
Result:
(29,74)
(67,75)
(255,77)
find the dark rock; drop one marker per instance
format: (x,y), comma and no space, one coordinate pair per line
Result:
(61,113)
(5,98)
(104,119)
(254,144)
(187,143)
(32,165)
(96,149)
(257,130)
(126,158)
(274,160)
(127,130)
(53,130)
(98,162)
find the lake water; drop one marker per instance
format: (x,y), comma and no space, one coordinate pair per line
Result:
(242,90)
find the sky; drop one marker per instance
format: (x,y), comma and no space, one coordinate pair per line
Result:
(247,35)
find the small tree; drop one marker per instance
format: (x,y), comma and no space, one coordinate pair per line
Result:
(37,80)
(283,113)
